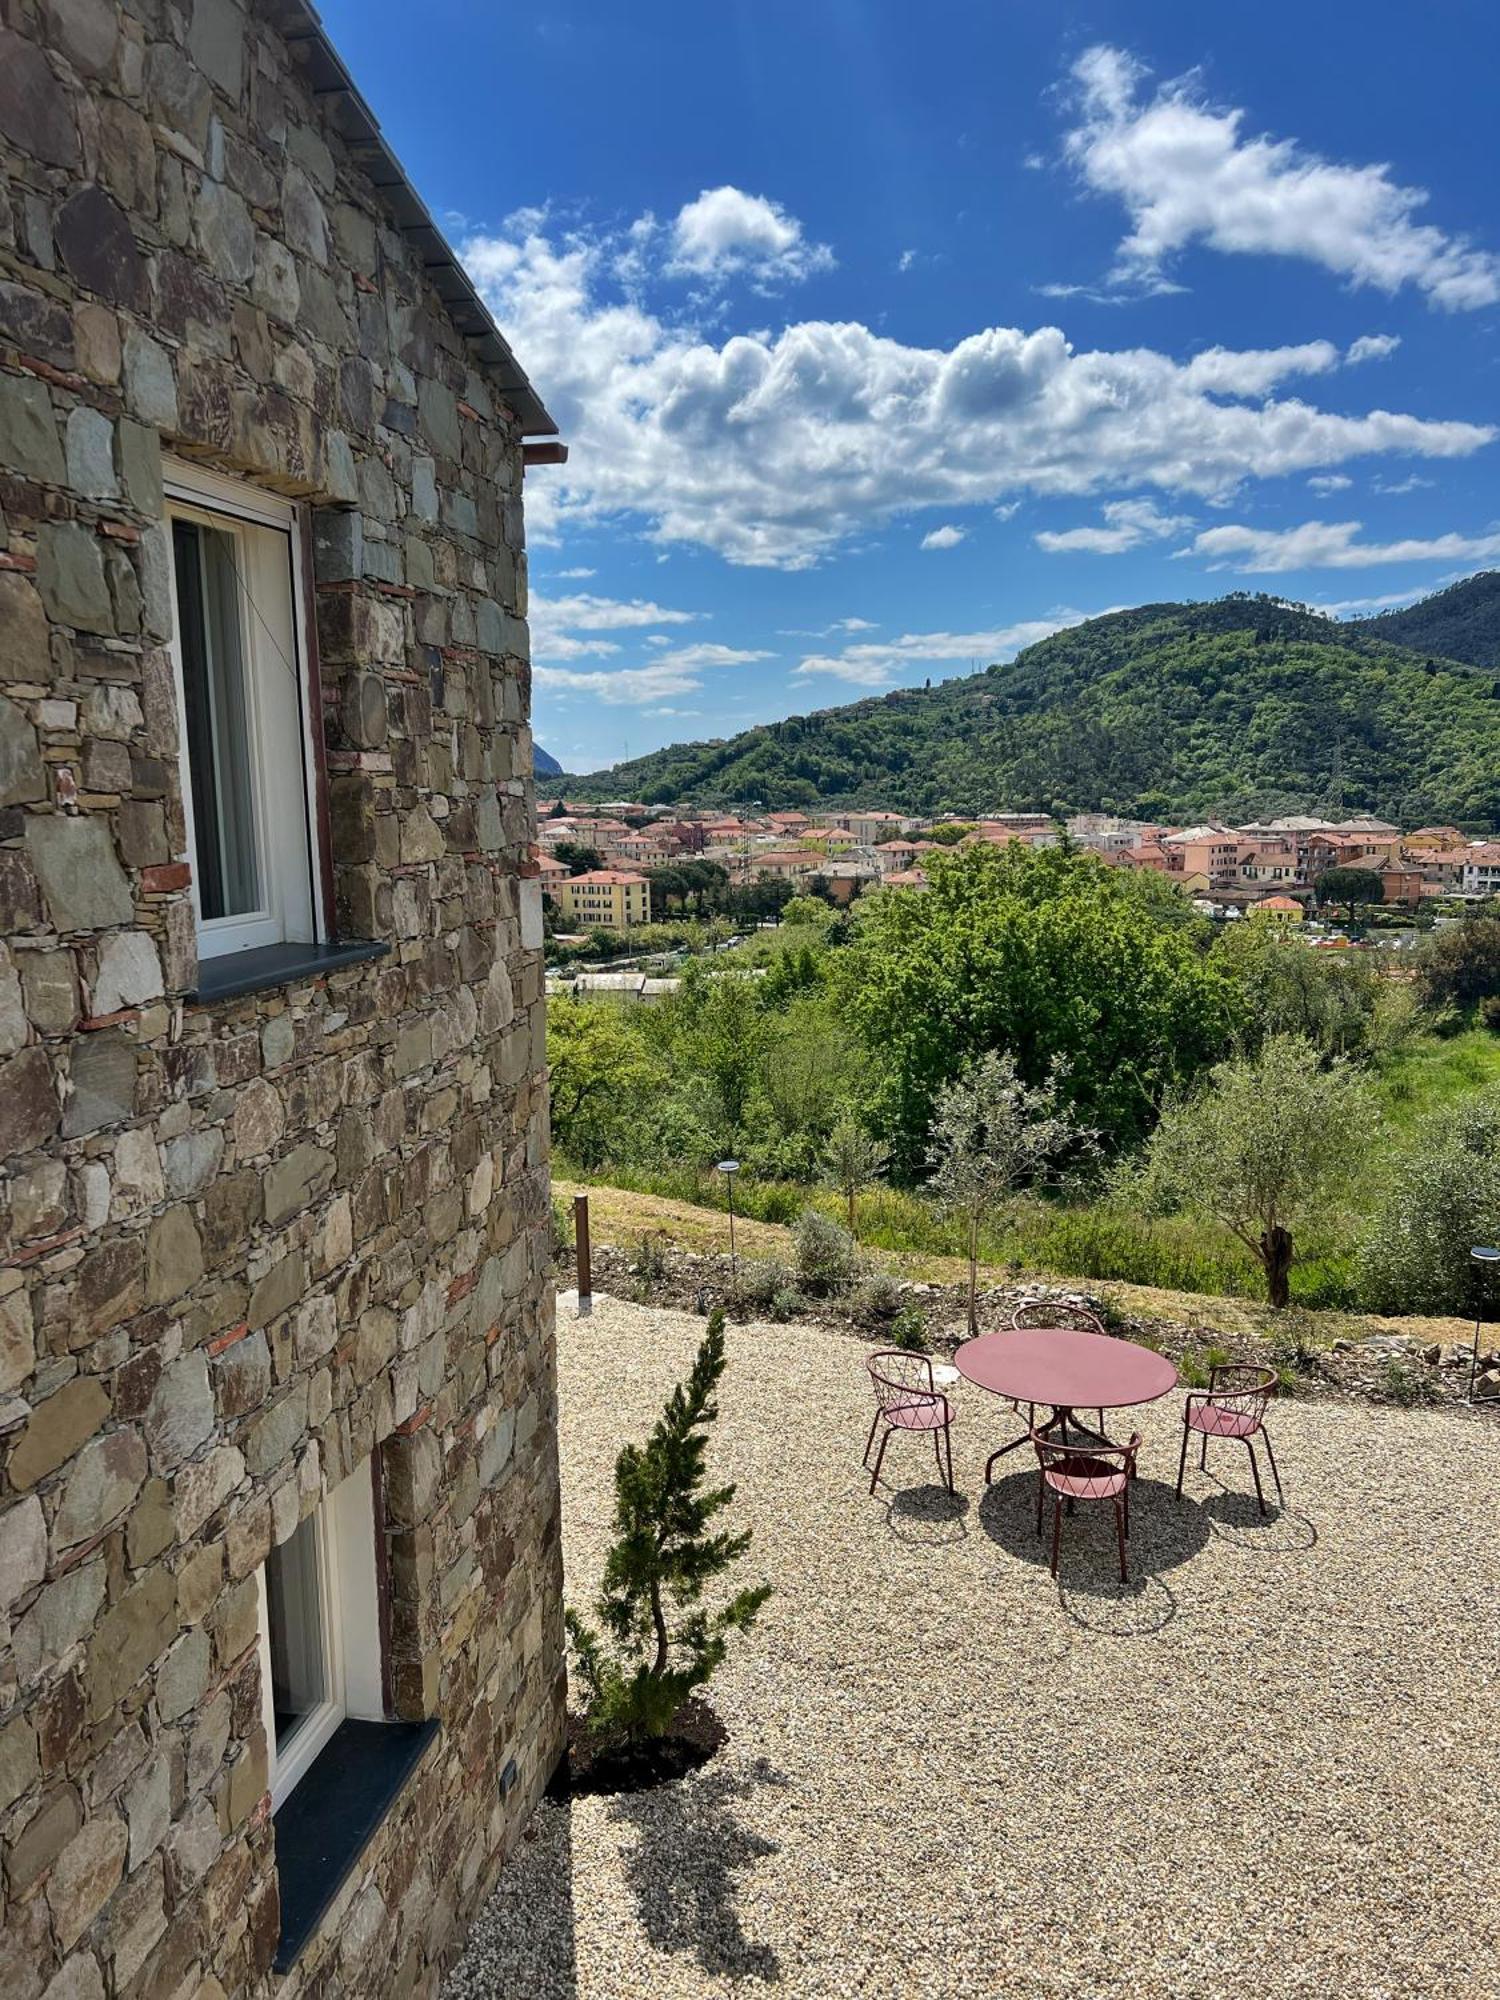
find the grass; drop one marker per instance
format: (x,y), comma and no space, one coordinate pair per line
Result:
(623,1215)
(1435,1072)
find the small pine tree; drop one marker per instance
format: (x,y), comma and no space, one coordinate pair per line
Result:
(662,1558)
(852,1161)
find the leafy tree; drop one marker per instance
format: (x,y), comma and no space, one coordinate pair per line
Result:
(659,1642)
(1263,1144)
(1443,1197)
(725,1038)
(1459,966)
(599,1075)
(1055,957)
(1349,886)
(1332,999)
(578,858)
(992,1135)
(852,1161)
(950,833)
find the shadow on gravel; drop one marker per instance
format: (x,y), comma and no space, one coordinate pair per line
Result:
(929,1516)
(689,1848)
(1234,1517)
(1164,1533)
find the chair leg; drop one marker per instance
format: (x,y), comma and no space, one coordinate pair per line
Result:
(948,1448)
(1203,1454)
(1056,1531)
(1041,1494)
(1126,1504)
(1120,1535)
(937,1452)
(1272,1457)
(1260,1498)
(870,1440)
(1182,1461)
(879,1461)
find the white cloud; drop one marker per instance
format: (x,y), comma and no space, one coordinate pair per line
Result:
(1413,483)
(1330,482)
(727,233)
(873,664)
(568,628)
(1255,371)
(771,449)
(575,575)
(1186,172)
(1127,523)
(1390,601)
(1371,347)
(946,537)
(1330,545)
(905,261)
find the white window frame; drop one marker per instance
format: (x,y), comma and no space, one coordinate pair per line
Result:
(287,868)
(349,1638)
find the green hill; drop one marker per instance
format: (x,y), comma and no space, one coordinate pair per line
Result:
(1459,623)
(1238,706)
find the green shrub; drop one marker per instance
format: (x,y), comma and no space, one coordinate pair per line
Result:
(1489,1012)
(653,1259)
(877,1295)
(1402,1383)
(1443,1198)
(785,1303)
(909,1329)
(562,1228)
(827,1260)
(764,1280)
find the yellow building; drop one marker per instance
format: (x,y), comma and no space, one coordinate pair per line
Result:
(606,899)
(1283,909)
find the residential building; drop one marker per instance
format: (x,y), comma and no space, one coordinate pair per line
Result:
(280,1495)
(1284,909)
(791,863)
(1214,851)
(1442,839)
(613,899)
(549,872)
(1481,869)
(1402,885)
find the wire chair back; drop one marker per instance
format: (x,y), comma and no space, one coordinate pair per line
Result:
(1042,1312)
(1240,1390)
(1092,1471)
(902,1380)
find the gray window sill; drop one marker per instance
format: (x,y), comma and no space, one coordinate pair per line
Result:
(242,972)
(332,1816)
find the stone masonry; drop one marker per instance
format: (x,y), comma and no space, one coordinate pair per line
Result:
(246,1245)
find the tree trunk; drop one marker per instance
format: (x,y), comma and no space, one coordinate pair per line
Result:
(852,1230)
(973,1277)
(1276,1255)
(658,1619)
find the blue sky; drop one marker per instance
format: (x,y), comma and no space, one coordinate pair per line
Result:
(887,339)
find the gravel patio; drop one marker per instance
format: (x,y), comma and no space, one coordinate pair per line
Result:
(1270,1765)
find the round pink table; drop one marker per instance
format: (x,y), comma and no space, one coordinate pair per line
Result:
(1065,1369)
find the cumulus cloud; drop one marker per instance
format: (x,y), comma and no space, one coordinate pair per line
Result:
(672,673)
(1127,524)
(1330,545)
(1187,172)
(771,448)
(1330,482)
(874,664)
(1372,347)
(571,628)
(946,537)
(727,233)
(575,575)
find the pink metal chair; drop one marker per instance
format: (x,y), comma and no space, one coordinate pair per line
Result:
(1232,1406)
(907,1399)
(1072,1472)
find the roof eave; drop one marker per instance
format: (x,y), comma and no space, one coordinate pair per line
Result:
(351,115)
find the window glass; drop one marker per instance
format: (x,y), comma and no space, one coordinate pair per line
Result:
(216,696)
(294,1614)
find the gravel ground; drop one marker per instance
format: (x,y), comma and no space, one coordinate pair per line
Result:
(1271,1765)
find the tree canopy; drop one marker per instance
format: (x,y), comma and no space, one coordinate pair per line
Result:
(1050,955)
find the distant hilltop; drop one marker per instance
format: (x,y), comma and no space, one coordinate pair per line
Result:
(1246,707)
(544,765)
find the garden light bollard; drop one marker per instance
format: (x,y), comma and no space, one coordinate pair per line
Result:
(1486,1259)
(729,1168)
(581,1247)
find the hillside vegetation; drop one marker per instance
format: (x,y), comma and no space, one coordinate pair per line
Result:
(1170,711)
(1460,623)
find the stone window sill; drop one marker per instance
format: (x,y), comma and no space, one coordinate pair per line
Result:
(242,972)
(330,1819)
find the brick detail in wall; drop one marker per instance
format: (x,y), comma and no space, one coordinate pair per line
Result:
(245,1247)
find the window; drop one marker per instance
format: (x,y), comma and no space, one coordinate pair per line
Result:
(239,656)
(320,1647)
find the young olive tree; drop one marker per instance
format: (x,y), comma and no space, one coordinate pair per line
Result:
(992,1135)
(852,1161)
(665,1642)
(1264,1144)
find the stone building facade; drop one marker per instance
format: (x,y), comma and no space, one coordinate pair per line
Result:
(275,1224)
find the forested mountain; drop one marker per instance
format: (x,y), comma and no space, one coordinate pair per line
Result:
(1461,622)
(544,763)
(1240,706)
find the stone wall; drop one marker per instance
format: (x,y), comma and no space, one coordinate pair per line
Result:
(247,1245)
